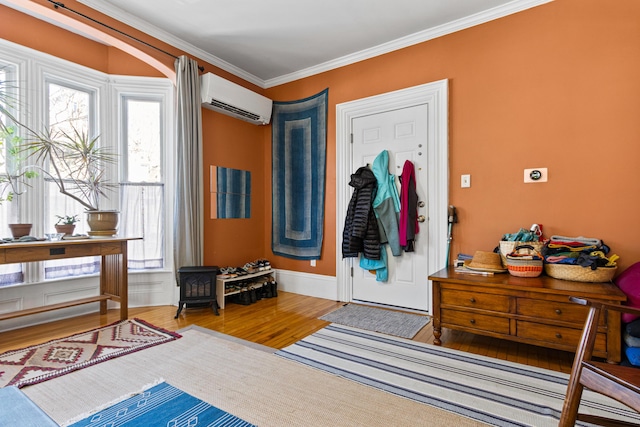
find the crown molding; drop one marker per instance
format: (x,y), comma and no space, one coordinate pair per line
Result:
(410,40)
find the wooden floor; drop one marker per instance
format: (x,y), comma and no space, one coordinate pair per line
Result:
(278,322)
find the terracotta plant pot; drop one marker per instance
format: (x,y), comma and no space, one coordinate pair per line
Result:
(20,230)
(66,229)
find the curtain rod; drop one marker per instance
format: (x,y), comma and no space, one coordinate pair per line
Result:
(57,5)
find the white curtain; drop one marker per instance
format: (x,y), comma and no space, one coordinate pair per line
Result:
(143,215)
(188,207)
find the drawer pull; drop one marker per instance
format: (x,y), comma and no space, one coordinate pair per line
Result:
(558,335)
(558,311)
(472,299)
(472,321)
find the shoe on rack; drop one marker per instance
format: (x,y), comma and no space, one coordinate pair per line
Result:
(251,267)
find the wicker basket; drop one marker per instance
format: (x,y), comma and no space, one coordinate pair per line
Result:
(579,273)
(506,247)
(524,267)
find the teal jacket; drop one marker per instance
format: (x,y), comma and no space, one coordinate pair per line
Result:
(386,204)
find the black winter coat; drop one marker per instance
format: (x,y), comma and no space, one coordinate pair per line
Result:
(360,232)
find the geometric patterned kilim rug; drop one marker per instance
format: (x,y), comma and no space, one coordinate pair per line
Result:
(41,362)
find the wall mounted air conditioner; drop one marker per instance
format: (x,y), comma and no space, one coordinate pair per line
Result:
(226,97)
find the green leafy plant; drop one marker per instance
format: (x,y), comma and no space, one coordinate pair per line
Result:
(67,219)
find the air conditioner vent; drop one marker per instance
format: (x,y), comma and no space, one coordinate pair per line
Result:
(234,110)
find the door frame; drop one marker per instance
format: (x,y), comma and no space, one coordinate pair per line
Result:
(435,94)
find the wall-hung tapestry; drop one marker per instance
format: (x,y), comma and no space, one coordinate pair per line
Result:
(299,144)
(230,193)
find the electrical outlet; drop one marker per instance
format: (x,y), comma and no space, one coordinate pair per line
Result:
(465,181)
(535,175)
(313,263)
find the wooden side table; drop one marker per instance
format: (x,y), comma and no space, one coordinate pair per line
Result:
(530,310)
(113,269)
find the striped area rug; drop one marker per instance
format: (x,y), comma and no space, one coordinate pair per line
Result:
(493,391)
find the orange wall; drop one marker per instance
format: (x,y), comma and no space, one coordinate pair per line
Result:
(232,143)
(555,86)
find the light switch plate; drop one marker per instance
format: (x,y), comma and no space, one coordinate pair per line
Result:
(534,175)
(465,181)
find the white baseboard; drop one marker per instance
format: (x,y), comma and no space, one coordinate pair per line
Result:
(314,285)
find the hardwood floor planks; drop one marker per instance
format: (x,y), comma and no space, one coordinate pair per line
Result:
(279,322)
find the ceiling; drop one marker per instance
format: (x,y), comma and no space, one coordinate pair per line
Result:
(273,42)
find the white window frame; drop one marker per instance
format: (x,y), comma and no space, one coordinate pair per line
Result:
(161,89)
(146,287)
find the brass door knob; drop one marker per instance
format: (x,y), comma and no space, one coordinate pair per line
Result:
(422,218)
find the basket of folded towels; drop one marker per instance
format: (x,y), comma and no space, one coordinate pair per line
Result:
(582,259)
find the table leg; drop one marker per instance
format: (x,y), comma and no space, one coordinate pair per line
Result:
(114,279)
(437,331)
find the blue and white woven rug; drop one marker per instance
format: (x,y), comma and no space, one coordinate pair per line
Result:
(493,391)
(161,405)
(299,151)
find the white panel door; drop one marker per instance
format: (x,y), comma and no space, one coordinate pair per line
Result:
(404,134)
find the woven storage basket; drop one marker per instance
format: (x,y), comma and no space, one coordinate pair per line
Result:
(579,273)
(523,267)
(506,247)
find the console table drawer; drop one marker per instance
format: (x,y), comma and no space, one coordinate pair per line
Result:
(475,300)
(557,335)
(38,253)
(483,322)
(554,310)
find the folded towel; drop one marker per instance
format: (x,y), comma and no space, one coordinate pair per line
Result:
(580,239)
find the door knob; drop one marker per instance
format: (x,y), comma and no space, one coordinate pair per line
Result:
(421,218)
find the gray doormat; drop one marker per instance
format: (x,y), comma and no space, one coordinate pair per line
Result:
(405,325)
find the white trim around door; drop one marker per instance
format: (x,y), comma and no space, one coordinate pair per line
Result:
(434,94)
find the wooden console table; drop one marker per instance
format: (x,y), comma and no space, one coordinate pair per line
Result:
(113,269)
(530,310)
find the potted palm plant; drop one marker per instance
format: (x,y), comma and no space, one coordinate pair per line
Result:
(68,157)
(76,164)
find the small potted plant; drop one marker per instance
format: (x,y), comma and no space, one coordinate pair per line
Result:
(66,224)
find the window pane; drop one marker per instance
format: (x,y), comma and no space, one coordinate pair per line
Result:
(142,193)
(9,136)
(69,108)
(9,273)
(143,133)
(5,106)
(69,111)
